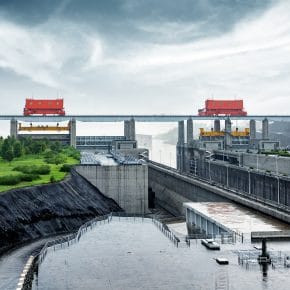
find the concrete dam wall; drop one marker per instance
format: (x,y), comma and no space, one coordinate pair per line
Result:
(126,184)
(172,190)
(257,184)
(35,212)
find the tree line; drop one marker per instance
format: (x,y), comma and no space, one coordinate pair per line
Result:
(53,151)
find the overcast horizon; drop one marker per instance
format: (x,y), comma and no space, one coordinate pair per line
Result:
(145,56)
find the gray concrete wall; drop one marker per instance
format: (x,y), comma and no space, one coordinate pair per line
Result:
(126,184)
(171,190)
(255,184)
(263,162)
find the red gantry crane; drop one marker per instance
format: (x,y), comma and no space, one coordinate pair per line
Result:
(223,107)
(44,107)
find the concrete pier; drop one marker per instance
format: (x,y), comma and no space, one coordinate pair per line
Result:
(217,125)
(129,130)
(253,129)
(189,131)
(265,129)
(228,136)
(180,158)
(13,128)
(73,133)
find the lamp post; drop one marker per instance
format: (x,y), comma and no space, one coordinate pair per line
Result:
(249,171)
(227,176)
(278,189)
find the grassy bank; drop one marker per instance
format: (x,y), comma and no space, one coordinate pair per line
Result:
(6,168)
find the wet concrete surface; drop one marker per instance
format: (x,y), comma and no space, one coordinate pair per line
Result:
(237,217)
(127,254)
(13,262)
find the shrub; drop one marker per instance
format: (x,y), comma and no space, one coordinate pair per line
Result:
(29,177)
(66,168)
(33,169)
(55,159)
(52,179)
(10,179)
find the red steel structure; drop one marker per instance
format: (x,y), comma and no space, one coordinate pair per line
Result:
(44,107)
(223,107)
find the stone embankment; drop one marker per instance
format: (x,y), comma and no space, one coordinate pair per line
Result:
(40,211)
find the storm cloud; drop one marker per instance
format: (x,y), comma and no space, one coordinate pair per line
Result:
(145,56)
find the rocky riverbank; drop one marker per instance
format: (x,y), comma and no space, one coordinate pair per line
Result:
(40,211)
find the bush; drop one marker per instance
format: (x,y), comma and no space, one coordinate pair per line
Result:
(29,177)
(55,158)
(10,179)
(33,169)
(72,152)
(52,179)
(66,168)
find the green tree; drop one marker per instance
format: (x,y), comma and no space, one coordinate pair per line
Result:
(17,149)
(7,149)
(8,154)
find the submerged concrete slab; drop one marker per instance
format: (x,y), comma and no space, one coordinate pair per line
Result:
(236,217)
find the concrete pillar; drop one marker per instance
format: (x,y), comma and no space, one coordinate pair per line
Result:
(73,133)
(181,132)
(228,136)
(265,129)
(253,129)
(189,131)
(132,129)
(228,125)
(217,125)
(180,156)
(13,128)
(129,129)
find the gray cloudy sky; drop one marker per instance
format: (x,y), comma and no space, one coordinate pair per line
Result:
(145,56)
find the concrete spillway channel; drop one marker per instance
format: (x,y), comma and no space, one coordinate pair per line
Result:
(34,213)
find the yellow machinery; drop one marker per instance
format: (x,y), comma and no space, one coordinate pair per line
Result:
(212,133)
(42,128)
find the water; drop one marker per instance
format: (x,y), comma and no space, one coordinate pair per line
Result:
(130,254)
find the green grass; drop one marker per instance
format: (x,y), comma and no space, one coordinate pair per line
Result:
(6,168)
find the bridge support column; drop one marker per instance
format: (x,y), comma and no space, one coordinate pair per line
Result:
(129,129)
(189,131)
(13,128)
(180,156)
(265,129)
(73,133)
(228,135)
(217,125)
(253,129)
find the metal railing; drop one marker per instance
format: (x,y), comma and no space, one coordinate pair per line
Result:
(72,238)
(75,237)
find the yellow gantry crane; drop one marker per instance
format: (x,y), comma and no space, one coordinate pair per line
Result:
(32,128)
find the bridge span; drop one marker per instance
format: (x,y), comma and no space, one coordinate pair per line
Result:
(138,118)
(172,188)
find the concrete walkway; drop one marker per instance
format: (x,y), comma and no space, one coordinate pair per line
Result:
(13,262)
